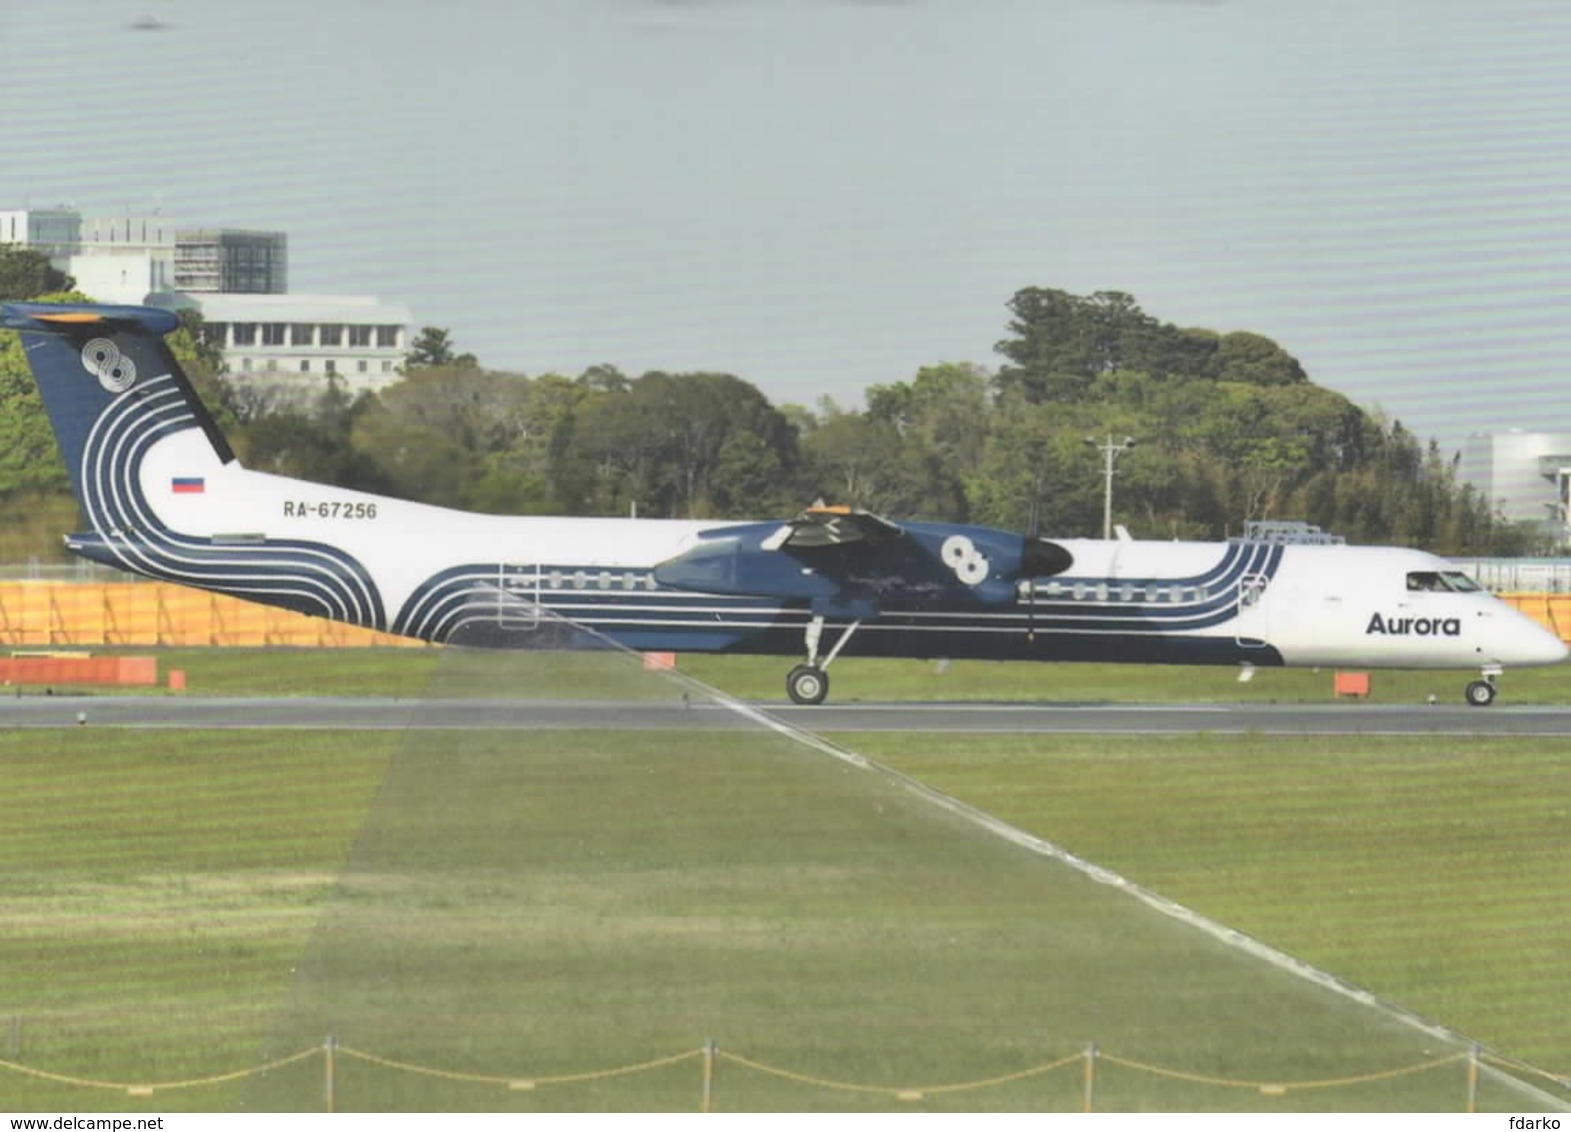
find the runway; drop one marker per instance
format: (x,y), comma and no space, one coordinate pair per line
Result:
(373,714)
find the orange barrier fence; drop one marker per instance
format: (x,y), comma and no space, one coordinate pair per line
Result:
(63,669)
(55,614)
(1553,611)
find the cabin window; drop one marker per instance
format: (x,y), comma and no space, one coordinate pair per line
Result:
(580,579)
(1127,594)
(1080,591)
(1101,592)
(605,579)
(1460,582)
(1152,593)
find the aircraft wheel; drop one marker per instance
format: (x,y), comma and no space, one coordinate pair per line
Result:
(1481,693)
(806,684)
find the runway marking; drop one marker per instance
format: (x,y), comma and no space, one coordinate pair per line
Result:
(1230,937)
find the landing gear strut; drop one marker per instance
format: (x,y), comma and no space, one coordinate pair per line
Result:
(809,683)
(1482,693)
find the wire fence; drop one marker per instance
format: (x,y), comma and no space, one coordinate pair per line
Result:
(1089,1065)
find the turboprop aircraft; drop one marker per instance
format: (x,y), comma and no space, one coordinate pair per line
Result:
(164,496)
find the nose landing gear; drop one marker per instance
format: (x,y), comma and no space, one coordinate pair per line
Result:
(1482,693)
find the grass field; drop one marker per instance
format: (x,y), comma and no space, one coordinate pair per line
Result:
(527,904)
(409,672)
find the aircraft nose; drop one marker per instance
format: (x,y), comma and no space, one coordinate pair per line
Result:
(1543,647)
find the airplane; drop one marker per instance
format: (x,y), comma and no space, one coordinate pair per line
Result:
(164,496)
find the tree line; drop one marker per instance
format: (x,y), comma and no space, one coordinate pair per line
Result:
(1231,429)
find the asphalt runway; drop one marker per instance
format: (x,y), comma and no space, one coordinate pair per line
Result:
(372,714)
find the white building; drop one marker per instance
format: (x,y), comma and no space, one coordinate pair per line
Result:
(237,278)
(1527,474)
(115,259)
(356,337)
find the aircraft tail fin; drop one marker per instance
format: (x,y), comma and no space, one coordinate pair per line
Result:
(88,358)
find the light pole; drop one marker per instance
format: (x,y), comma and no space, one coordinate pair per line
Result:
(1111,450)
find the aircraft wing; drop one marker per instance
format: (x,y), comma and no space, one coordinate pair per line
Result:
(832,526)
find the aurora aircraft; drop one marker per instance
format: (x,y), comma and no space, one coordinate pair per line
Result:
(164,496)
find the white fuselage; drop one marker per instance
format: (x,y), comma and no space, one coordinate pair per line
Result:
(1198,602)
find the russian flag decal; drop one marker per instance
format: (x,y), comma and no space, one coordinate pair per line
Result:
(188,485)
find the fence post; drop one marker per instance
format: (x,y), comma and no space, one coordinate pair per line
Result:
(330,1073)
(1472,1078)
(13,1038)
(706,1103)
(1090,1079)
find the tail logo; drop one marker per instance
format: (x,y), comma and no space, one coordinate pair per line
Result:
(103,359)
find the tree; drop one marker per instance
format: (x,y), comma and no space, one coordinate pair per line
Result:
(434,348)
(27,274)
(1256,360)
(688,444)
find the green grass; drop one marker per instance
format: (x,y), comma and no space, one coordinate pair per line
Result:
(408,672)
(1431,871)
(854,679)
(179,904)
(159,889)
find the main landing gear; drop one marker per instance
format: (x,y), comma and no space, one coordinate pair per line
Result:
(1482,693)
(809,683)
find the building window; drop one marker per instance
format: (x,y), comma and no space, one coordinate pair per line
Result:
(360,336)
(300,334)
(387,367)
(245,365)
(272,365)
(215,333)
(245,334)
(362,366)
(332,366)
(332,334)
(273,333)
(305,366)
(387,337)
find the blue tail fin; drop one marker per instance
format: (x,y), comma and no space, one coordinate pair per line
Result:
(86,358)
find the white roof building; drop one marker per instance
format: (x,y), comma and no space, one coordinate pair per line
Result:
(357,337)
(238,280)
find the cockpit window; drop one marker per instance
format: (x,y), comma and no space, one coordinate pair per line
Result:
(1441,581)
